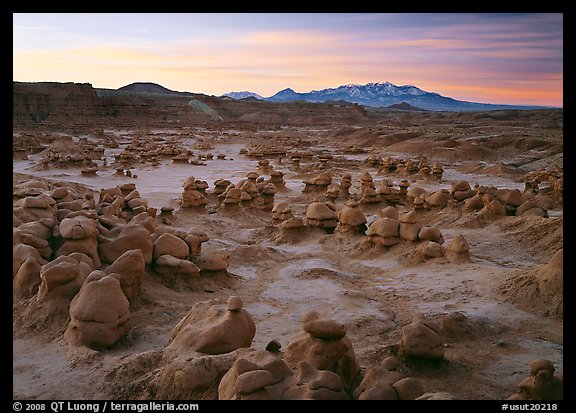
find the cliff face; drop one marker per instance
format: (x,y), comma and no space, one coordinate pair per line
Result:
(51,102)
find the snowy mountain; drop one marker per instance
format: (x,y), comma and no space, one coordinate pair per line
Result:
(386,94)
(243,95)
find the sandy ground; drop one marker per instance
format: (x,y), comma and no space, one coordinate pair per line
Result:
(374,293)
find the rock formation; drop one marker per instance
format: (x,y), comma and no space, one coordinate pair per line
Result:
(386,382)
(99,313)
(421,340)
(458,250)
(322,216)
(213,327)
(351,219)
(542,384)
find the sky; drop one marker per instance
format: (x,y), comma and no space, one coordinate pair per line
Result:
(506,58)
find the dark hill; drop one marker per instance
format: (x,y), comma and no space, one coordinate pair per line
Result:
(404,106)
(147,87)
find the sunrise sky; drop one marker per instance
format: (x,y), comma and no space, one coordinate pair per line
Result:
(488,57)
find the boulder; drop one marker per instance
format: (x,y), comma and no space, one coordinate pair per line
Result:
(126,238)
(26,266)
(209,327)
(169,244)
(99,313)
(431,233)
(421,340)
(542,384)
(213,261)
(458,250)
(129,270)
(334,352)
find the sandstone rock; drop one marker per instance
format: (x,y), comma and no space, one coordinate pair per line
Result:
(26,266)
(408,388)
(99,313)
(169,244)
(431,233)
(322,327)
(129,237)
(336,355)
(172,268)
(234,303)
(78,228)
(321,216)
(189,378)
(474,203)
(439,198)
(458,250)
(384,232)
(210,328)
(420,340)
(542,384)
(351,218)
(62,278)
(389,212)
(432,249)
(258,374)
(511,197)
(218,260)
(129,269)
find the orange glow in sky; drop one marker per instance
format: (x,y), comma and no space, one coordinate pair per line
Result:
(489,57)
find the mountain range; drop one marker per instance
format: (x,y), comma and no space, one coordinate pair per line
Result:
(385,95)
(382,95)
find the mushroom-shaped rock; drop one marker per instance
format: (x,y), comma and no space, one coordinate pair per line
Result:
(542,384)
(194,239)
(414,192)
(351,218)
(420,339)
(192,198)
(333,353)
(292,230)
(459,186)
(129,269)
(369,196)
(99,313)
(321,215)
(408,388)
(409,226)
(384,232)
(80,235)
(461,190)
(495,208)
(458,250)
(209,327)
